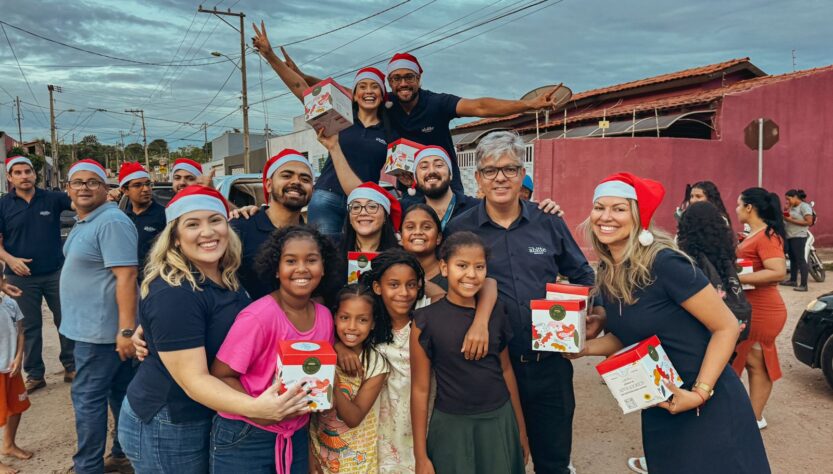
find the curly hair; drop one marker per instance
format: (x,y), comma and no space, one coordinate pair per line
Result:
(703,233)
(269,257)
(381,264)
(364,292)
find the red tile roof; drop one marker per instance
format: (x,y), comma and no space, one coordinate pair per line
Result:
(673,76)
(687,99)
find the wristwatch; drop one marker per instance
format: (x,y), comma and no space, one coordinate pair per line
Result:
(126,333)
(704,387)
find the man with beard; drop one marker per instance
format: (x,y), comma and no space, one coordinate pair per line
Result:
(186,172)
(146,214)
(287,179)
(423,116)
(432,177)
(30,224)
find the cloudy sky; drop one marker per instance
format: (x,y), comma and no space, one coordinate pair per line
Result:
(582,43)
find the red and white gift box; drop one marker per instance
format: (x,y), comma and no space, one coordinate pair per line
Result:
(310,362)
(358,263)
(558,326)
(744,267)
(400,158)
(635,375)
(327,105)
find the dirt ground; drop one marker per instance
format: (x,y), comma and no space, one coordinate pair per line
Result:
(798,439)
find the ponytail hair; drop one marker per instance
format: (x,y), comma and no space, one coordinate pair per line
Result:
(768,207)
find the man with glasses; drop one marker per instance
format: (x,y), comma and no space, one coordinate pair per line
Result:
(424,116)
(147,215)
(528,249)
(287,185)
(30,224)
(98,295)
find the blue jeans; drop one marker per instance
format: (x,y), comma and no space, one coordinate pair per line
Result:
(162,446)
(101,377)
(237,446)
(327,211)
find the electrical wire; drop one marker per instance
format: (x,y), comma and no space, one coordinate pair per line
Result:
(25,79)
(373,15)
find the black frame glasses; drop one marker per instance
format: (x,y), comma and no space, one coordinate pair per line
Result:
(91,184)
(370,207)
(490,172)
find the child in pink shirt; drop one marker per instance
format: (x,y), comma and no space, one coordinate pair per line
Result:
(300,258)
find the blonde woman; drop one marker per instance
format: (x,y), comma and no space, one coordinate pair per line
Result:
(651,288)
(189,298)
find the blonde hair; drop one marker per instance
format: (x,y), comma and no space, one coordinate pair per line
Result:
(167,262)
(621,280)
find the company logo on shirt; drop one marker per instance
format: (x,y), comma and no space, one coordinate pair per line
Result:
(538,250)
(427,129)
(45,213)
(380,140)
(148,228)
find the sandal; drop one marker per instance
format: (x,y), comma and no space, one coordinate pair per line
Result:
(639,465)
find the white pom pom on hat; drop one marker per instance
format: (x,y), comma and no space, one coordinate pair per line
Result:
(647,193)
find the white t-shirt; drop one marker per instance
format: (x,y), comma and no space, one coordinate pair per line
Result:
(9,316)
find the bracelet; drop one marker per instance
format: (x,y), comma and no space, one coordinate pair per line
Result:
(701,398)
(704,387)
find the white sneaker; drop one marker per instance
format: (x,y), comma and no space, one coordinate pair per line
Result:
(762,423)
(571,468)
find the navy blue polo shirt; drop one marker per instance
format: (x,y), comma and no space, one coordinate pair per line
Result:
(533,251)
(33,229)
(428,124)
(148,224)
(462,203)
(176,318)
(365,149)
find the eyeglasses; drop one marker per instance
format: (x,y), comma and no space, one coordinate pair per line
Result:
(137,186)
(490,172)
(356,208)
(92,184)
(409,78)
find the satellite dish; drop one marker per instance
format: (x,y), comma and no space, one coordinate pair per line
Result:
(562,95)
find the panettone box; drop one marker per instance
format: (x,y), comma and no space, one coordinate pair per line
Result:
(558,326)
(310,362)
(327,105)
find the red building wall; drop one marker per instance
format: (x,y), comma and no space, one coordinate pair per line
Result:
(568,169)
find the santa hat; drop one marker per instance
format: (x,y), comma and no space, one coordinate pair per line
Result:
(404,61)
(377,194)
(647,193)
(17,160)
(371,73)
(427,152)
(287,156)
(88,165)
(130,171)
(185,164)
(196,198)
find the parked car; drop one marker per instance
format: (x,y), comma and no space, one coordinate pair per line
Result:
(813,336)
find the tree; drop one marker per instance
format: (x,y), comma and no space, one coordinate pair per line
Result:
(134,152)
(158,147)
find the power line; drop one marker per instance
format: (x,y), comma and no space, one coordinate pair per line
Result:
(103,55)
(345,26)
(233,70)
(25,79)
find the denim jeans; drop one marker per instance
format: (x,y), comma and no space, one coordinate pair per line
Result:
(35,290)
(327,211)
(162,446)
(101,377)
(237,446)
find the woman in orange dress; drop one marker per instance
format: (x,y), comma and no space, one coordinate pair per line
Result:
(764,247)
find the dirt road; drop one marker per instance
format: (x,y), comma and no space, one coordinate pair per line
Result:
(798,439)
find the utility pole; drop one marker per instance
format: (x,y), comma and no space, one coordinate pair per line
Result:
(241,15)
(19,128)
(73,148)
(205,141)
(55,160)
(144,135)
(121,140)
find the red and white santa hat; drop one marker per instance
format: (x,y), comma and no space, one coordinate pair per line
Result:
(19,160)
(647,193)
(274,164)
(196,198)
(377,194)
(131,170)
(88,165)
(433,150)
(185,164)
(404,61)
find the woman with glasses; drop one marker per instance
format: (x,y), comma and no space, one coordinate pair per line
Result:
(373,220)
(356,154)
